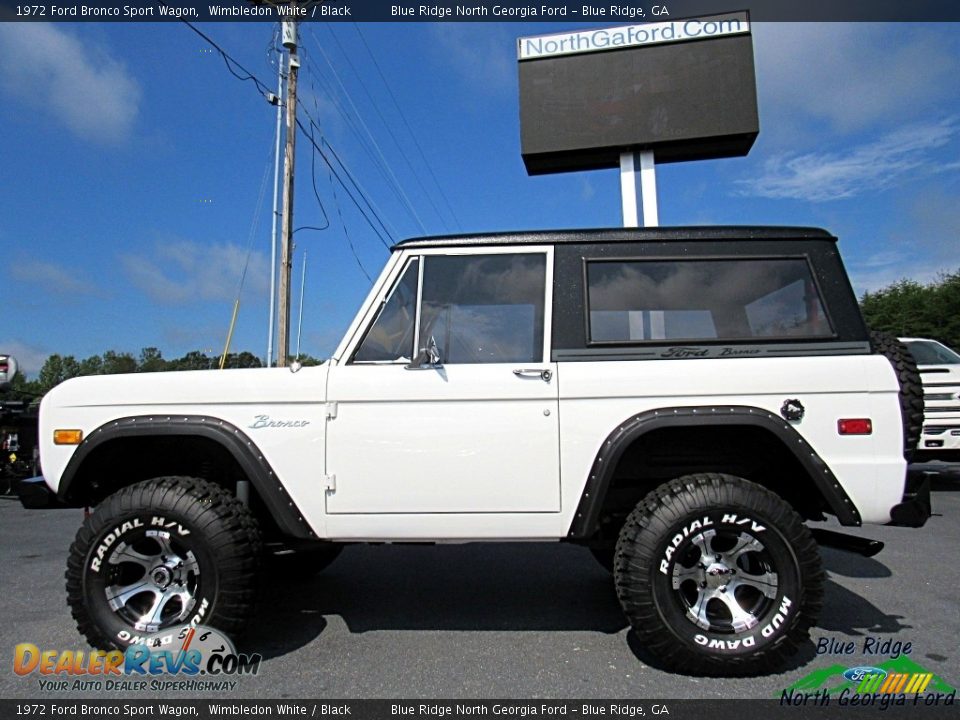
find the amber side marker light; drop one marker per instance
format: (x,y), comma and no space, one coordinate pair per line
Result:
(855,426)
(67,437)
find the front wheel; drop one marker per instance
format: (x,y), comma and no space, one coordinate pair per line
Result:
(718,576)
(162,553)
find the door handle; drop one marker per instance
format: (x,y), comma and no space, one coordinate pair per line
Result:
(543,374)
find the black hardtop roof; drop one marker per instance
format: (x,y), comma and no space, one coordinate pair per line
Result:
(616,235)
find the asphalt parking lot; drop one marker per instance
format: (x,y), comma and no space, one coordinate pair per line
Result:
(498,620)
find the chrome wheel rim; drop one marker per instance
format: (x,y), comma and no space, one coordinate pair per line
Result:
(153,581)
(725,580)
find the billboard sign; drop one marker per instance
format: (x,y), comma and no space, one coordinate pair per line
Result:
(685,89)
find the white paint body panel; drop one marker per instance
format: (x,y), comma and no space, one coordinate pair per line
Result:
(235,396)
(595,398)
(468,438)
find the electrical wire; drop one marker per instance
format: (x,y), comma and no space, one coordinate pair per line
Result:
(336,76)
(316,194)
(230,62)
(406,124)
(346,234)
(387,125)
(352,125)
(346,187)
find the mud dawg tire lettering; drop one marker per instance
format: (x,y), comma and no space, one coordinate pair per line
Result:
(911,386)
(165,552)
(718,575)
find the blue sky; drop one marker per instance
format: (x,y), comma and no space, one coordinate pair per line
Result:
(132,163)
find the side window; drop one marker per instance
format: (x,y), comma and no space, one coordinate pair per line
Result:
(635,301)
(390,337)
(484,308)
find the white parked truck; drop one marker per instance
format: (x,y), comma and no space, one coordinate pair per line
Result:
(682,401)
(939,368)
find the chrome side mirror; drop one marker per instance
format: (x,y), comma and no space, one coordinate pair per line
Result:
(428,358)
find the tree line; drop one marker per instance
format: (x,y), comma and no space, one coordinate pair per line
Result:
(911,309)
(57,368)
(906,308)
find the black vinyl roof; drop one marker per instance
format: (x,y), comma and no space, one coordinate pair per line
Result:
(615,235)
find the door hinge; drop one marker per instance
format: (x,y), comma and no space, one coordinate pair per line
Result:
(331,410)
(330,483)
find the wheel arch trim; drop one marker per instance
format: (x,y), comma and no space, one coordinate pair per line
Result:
(587,516)
(246,454)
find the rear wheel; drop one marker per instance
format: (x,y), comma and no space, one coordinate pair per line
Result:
(165,552)
(718,576)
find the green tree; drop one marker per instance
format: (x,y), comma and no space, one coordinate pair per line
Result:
(193,360)
(911,309)
(151,360)
(241,360)
(309,360)
(55,370)
(115,363)
(21,388)
(92,365)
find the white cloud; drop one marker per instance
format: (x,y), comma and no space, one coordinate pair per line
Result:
(29,357)
(52,278)
(853,75)
(82,86)
(183,271)
(871,166)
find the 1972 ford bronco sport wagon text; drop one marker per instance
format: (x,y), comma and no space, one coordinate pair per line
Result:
(679,400)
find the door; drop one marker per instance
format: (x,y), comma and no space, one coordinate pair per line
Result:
(473,428)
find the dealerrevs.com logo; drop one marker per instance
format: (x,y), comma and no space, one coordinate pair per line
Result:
(187,658)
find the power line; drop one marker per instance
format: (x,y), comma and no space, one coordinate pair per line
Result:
(346,234)
(406,124)
(354,128)
(230,62)
(316,194)
(387,125)
(346,187)
(406,200)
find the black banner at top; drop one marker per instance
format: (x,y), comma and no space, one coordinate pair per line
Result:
(611,12)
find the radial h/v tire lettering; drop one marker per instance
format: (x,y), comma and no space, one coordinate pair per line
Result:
(166,552)
(718,576)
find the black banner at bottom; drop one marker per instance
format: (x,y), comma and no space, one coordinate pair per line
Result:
(504,709)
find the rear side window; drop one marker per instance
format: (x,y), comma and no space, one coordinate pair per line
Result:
(640,301)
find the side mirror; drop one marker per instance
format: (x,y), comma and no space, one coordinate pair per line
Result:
(8,368)
(428,358)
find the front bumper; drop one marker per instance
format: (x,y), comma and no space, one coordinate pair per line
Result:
(34,494)
(915,509)
(940,440)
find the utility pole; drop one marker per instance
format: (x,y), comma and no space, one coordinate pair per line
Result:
(289,37)
(275,216)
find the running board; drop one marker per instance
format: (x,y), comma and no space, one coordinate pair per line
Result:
(850,543)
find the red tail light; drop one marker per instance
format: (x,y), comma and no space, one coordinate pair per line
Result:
(855,426)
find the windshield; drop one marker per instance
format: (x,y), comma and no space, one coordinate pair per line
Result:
(930,352)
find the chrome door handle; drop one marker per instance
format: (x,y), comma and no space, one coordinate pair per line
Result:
(544,375)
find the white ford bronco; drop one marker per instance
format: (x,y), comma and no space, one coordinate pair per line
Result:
(682,401)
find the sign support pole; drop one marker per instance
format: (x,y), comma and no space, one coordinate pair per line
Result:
(648,188)
(628,190)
